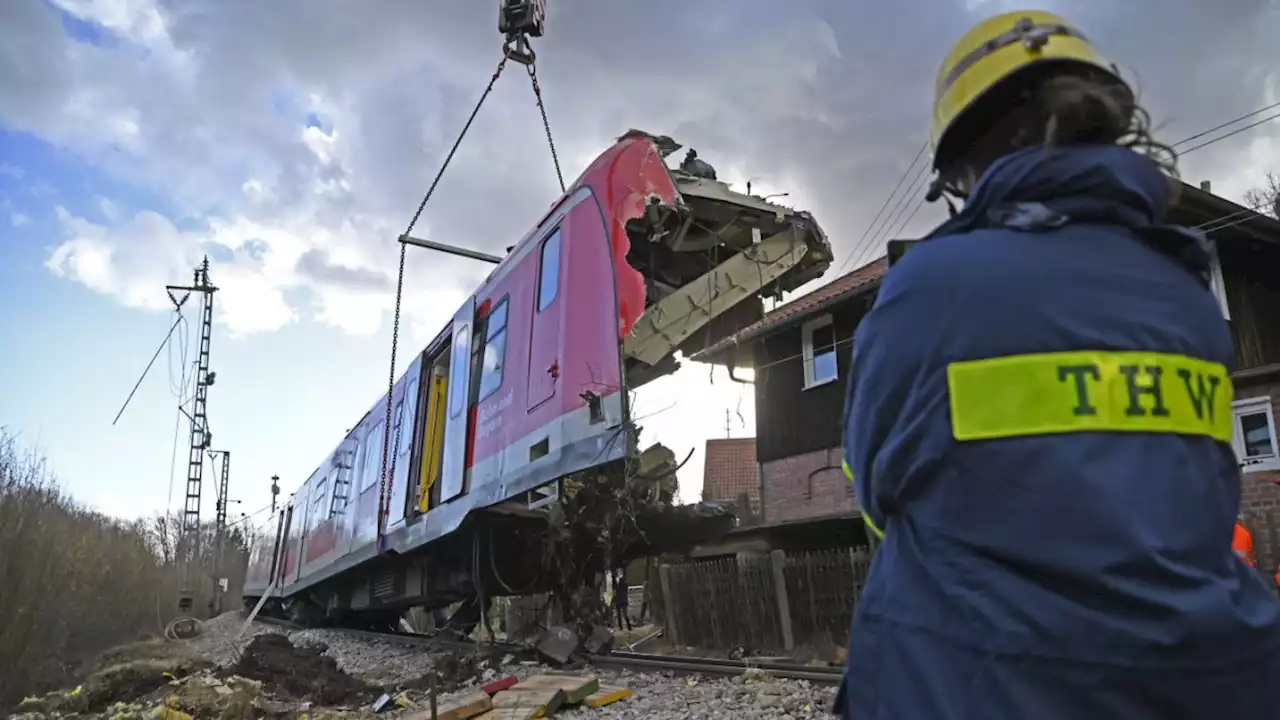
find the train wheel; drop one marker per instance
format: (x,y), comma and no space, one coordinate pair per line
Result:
(303,612)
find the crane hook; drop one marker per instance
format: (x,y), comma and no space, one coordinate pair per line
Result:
(519,20)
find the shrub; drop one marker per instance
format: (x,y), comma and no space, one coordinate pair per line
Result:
(74,582)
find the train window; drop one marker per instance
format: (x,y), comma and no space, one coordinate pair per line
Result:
(494,351)
(373,455)
(322,488)
(411,398)
(359,468)
(549,274)
(397,434)
(461,353)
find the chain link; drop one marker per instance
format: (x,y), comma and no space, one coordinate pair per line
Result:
(390,451)
(537,94)
(384,497)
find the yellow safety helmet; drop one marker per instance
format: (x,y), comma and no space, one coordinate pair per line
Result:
(996,49)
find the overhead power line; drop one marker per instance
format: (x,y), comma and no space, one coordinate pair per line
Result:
(869,240)
(859,242)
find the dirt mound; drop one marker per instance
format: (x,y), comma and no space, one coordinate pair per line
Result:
(122,682)
(300,673)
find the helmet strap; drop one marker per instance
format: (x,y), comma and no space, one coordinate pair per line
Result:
(940,187)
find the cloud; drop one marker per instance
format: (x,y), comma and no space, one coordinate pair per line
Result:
(291,141)
(315,263)
(210,103)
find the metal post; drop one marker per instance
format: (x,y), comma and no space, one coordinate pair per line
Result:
(220,528)
(189,539)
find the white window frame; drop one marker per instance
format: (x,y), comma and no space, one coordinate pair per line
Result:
(1251,406)
(806,341)
(1216,282)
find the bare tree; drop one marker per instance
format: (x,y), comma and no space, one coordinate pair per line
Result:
(74,582)
(1265,199)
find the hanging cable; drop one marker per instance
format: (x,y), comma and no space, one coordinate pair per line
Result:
(1220,126)
(537,94)
(383,497)
(857,245)
(516,48)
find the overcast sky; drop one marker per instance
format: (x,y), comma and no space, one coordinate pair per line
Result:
(291,140)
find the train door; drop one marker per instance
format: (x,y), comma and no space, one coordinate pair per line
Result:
(454,454)
(405,411)
(544,338)
(281,541)
(432,434)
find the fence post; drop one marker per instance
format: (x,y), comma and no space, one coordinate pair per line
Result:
(779,560)
(668,603)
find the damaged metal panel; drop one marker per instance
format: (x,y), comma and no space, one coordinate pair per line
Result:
(667,323)
(708,255)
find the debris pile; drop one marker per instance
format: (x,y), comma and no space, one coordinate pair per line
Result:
(611,516)
(510,698)
(301,673)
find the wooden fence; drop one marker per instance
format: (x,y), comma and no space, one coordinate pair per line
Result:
(763,602)
(778,601)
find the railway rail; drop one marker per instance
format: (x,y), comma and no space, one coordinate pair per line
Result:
(636,662)
(685,665)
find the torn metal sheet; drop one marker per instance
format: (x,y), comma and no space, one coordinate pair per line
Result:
(707,256)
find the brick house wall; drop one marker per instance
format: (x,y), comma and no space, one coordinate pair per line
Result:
(812,484)
(808,485)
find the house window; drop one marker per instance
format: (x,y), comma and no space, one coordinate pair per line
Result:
(492,351)
(819,339)
(1254,434)
(549,274)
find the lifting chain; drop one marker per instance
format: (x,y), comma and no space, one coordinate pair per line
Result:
(537,94)
(517,48)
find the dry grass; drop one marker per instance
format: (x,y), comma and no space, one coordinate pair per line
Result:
(75,583)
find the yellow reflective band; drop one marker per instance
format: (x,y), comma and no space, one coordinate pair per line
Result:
(867,519)
(848,471)
(1089,391)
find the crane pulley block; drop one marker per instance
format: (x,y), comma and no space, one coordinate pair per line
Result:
(521,17)
(519,20)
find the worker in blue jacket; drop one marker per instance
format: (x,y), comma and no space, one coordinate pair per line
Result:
(1039,422)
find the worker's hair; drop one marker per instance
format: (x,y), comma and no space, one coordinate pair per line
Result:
(1050,105)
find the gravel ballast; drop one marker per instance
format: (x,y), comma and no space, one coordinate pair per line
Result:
(653,695)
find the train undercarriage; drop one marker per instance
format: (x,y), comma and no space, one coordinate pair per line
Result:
(534,546)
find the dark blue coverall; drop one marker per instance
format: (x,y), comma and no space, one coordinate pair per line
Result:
(1057,523)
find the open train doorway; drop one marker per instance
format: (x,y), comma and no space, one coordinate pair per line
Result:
(434,391)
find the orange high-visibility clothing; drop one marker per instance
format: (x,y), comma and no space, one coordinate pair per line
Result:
(1242,544)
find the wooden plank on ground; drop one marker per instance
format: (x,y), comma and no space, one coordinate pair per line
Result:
(510,714)
(606,695)
(576,687)
(525,703)
(468,706)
